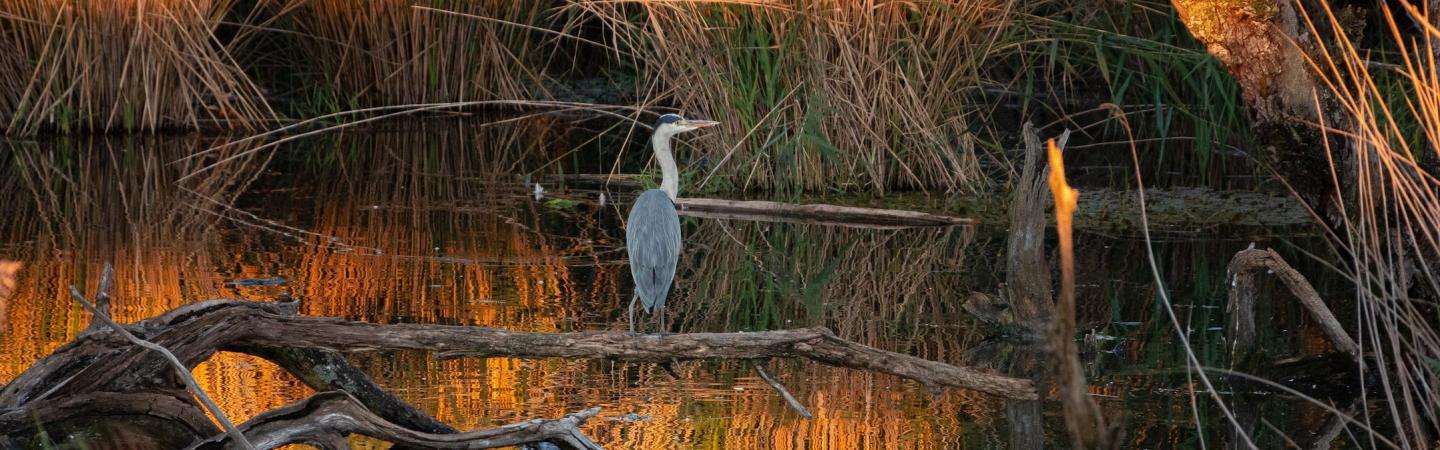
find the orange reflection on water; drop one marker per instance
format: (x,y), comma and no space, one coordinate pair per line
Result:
(443,248)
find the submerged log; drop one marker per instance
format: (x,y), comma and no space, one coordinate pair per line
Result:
(63,388)
(820,214)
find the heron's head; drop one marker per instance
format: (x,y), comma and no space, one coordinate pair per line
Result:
(672,124)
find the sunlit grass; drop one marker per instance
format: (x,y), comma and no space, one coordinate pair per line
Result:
(818,95)
(1392,218)
(395,52)
(120,65)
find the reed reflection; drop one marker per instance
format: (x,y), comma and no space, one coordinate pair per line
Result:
(873,286)
(430,222)
(81,202)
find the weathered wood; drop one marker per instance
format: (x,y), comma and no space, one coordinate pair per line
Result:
(325,370)
(780,389)
(1240,328)
(243,326)
(182,371)
(101,361)
(1027,270)
(187,420)
(325,417)
(813,213)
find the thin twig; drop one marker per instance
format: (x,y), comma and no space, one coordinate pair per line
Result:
(780,388)
(180,369)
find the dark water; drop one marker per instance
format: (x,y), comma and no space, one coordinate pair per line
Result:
(437,225)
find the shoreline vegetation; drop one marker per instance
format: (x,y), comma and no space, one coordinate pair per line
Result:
(817,96)
(1336,105)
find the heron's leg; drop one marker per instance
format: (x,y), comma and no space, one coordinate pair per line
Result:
(632,313)
(660,311)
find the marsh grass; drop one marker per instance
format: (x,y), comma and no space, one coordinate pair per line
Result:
(395,52)
(1069,56)
(818,95)
(120,65)
(1392,214)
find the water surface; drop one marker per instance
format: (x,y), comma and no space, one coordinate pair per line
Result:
(436,224)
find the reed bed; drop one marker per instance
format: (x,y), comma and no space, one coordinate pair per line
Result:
(1069,56)
(1390,117)
(398,52)
(818,94)
(120,65)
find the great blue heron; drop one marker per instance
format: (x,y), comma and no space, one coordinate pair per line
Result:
(652,234)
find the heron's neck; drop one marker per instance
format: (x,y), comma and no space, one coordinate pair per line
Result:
(669,173)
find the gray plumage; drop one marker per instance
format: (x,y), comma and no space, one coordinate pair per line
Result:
(652,236)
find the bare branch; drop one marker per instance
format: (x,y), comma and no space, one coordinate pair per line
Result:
(780,388)
(182,370)
(318,419)
(245,326)
(1241,306)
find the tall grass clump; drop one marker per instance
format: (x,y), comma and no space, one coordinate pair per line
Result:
(120,65)
(396,52)
(818,94)
(1183,105)
(1389,121)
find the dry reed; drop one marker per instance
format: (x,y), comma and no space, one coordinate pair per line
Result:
(116,65)
(816,95)
(1390,122)
(395,52)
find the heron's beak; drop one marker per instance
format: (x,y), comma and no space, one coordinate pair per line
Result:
(696,124)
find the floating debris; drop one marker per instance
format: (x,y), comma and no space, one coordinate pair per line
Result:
(257,282)
(632,417)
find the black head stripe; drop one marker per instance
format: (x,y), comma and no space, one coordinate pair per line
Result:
(668,118)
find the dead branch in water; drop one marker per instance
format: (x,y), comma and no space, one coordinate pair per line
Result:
(326,418)
(100,362)
(1082,415)
(1241,306)
(813,214)
(101,315)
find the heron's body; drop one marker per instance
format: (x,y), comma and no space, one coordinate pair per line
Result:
(652,226)
(652,233)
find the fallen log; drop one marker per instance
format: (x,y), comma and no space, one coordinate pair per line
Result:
(821,214)
(101,362)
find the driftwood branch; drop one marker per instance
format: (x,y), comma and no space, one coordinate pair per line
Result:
(816,344)
(245,326)
(1241,305)
(107,361)
(186,422)
(820,214)
(325,370)
(326,417)
(780,388)
(181,370)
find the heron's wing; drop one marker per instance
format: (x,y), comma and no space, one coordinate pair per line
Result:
(652,237)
